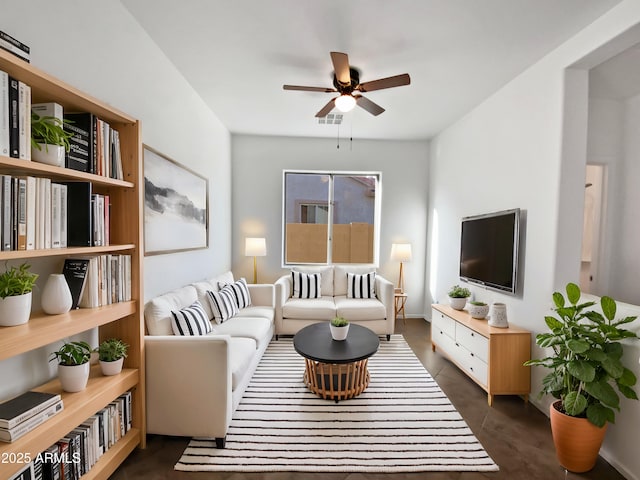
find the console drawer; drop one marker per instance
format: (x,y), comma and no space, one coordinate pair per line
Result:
(473,341)
(444,323)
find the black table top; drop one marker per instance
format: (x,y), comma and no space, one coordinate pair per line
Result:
(315,343)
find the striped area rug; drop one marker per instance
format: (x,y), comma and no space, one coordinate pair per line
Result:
(403,422)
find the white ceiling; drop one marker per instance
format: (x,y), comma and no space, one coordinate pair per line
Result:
(238,54)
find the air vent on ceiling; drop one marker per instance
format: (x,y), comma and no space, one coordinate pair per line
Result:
(331,119)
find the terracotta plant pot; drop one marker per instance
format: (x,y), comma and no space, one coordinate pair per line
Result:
(577,440)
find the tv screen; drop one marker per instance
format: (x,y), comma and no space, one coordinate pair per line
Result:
(489,250)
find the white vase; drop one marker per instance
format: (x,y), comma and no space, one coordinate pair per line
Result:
(56,296)
(498,317)
(49,154)
(73,377)
(339,333)
(458,303)
(15,310)
(111,368)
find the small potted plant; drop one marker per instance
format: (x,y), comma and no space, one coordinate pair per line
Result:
(339,328)
(49,140)
(585,359)
(458,297)
(478,309)
(73,365)
(16,285)
(111,354)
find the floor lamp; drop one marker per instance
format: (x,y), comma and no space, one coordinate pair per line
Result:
(401,252)
(255,247)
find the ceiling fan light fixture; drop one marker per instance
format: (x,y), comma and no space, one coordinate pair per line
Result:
(345,103)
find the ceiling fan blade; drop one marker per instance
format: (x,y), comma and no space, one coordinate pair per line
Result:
(326,109)
(368,105)
(309,89)
(395,81)
(341,67)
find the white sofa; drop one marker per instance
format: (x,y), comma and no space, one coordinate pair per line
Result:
(377,314)
(194,383)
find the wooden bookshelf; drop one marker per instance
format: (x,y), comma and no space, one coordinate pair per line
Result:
(121,319)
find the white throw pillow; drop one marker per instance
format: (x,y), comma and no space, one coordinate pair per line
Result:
(240,291)
(306,285)
(361,286)
(191,321)
(223,304)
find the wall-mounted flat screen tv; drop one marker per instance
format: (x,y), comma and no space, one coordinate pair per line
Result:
(489,250)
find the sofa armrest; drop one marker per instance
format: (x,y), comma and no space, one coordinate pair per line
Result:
(283,293)
(262,294)
(385,293)
(188,382)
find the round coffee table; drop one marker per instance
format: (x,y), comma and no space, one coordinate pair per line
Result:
(336,370)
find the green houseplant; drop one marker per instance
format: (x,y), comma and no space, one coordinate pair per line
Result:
(73,365)
(111,354)
(339,328)
(585,363)
(16,286)
(49,140)
(458,297)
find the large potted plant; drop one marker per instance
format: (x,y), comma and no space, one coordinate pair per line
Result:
(49,140)
(585,363)
(73,365)
(16,285)
(111,354)
(458,297)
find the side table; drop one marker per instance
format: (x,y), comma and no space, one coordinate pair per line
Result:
(400,302)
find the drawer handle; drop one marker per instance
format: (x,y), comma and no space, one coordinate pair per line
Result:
(472,334)
(471,368)
(472,354)
(457,344)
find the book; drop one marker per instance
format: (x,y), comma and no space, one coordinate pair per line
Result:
(50,463)
(4,113)
(22,214)
(55,215)
(79,213)
(27,472)
(14,126)
(83,142)
(47,213)
(14,46)
(89,297)
(75,272)
(31,212)
(11,435)
(24,406)
(63,216)
(24,121)
(5,184)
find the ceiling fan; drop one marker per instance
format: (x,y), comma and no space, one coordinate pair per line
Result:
(346,82)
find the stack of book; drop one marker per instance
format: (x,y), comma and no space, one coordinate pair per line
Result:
(15,106)
(14,46)
(25,412)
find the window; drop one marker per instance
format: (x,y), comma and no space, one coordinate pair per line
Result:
(330,217)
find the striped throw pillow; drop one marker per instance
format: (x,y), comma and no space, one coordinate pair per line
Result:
(191,321)
(240,291)
(223,304)
(361,286)
(306,285)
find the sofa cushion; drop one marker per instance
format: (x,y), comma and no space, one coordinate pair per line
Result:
(157,312)
(306,285)
(361,286)
(326,275)
(356,309)
(242,350)
(340,276)
(223,304)
(257,311)
(240,292)
(255,328)
(191,321)
(322,308)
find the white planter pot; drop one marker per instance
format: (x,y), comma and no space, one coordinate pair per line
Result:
(111,368)
(478,311)
(458,303)
(15,310)
(50,154)
(74,378)
(56,296)
(498,317)
(339,333)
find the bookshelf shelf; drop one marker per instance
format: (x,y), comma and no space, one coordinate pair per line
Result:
(121,320)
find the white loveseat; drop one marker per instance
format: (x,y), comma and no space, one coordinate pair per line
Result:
(377,314)
(194,383)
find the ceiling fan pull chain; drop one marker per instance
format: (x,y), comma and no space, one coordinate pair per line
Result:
(338,139)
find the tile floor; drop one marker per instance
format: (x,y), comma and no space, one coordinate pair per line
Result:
(515,434)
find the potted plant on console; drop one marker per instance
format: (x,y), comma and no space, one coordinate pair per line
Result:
(339,328)
(458,297)
(111,354)
(16,285)
(585,364)
(73,365)
(478,309)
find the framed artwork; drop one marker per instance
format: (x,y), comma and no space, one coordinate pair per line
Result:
(176,208)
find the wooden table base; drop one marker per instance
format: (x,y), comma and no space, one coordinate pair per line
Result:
(336,381)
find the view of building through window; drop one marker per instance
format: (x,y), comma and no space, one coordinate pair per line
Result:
(330,217)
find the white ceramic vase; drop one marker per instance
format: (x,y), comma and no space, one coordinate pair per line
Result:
(56,296)
(478,311)
(111,368)
(74,377)
(15,310)
(498,317)
(339,333)
(49,154)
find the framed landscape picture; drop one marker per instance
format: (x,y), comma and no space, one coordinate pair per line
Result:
(176,209)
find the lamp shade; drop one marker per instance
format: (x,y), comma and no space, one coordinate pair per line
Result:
(401,252)
(345,103)
(255,247)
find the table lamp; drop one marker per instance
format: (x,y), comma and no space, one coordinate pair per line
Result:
(255,247)
(401,252)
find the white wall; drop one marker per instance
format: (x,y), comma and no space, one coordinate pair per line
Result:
(258,162)
(99,48)
(522,148)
